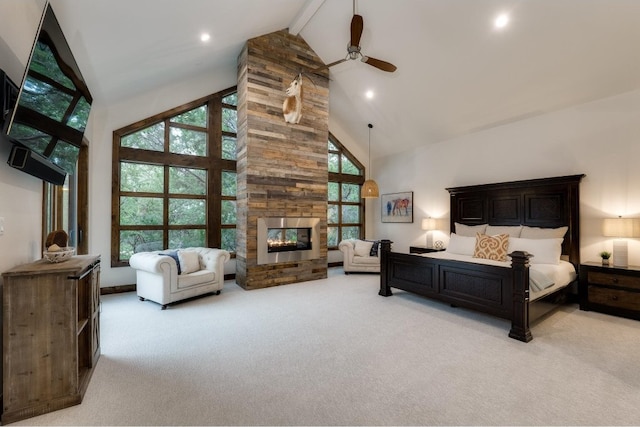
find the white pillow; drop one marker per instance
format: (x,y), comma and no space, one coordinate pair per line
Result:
(544,251)
(543,233)
(363,248)
(189,261)
(461,245)
(469,230)
(511,230)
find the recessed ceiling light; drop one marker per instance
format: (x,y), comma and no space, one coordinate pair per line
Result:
(501,20)
(205,37)
(369,94)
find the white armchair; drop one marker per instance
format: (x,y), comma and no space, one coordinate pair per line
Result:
(357,256)
(157,277)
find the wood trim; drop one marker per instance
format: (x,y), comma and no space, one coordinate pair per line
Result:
(83,200)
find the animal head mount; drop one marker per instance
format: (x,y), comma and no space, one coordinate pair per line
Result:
(292,106)
(295,87)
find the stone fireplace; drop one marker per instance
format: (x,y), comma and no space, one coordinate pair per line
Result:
(282,167)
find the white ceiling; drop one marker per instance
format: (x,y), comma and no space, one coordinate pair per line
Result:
(456,73)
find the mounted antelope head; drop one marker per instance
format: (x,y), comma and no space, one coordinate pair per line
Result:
(292,106)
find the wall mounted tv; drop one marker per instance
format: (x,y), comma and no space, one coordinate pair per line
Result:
(47,118)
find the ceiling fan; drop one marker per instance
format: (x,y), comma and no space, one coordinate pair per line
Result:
(353,48)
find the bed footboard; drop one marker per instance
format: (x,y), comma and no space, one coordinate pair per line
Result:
(499,291)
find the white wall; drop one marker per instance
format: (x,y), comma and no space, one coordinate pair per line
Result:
(600,139)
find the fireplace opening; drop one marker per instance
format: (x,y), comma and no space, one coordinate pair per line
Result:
(287,239)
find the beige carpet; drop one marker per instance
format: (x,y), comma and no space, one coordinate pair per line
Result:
(333,352)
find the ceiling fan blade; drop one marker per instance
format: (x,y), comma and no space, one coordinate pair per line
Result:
(380,64)
(357,25)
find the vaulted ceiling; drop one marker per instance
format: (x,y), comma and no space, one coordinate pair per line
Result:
(457,73)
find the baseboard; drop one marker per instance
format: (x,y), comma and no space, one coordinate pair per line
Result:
(117,289)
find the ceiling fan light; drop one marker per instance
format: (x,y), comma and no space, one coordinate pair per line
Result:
(370,189)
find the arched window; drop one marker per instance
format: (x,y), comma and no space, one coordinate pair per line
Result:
(174,179)
(345,210)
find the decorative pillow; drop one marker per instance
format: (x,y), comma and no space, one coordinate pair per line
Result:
(189,261)
(374,248)
(469,230)
(461,245)
(543,233)
(544,251)
(511,230)
(363,248)
(174,255)
(491,247)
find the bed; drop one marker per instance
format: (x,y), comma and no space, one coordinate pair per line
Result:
(501,289)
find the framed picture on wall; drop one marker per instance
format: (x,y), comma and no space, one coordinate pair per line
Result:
(397,207)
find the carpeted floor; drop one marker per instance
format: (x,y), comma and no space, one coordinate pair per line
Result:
(333,352)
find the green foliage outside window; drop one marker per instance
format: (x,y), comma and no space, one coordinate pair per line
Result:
(187,181)
(195,117)
(150,138)
(348,166)
(229,120)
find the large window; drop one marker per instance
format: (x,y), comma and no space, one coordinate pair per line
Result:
(175,179)
(345,210)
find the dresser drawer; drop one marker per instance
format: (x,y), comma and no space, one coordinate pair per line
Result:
(614,297)
(611,279)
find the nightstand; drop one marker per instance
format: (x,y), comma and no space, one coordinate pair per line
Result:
(611,290)
(423,250)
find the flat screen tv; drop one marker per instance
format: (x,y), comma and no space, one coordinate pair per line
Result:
(47,120)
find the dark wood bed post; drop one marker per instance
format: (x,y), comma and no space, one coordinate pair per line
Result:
(520,318)
(385,289)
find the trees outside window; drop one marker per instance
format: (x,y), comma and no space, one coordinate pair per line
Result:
(175,179)
(345,209)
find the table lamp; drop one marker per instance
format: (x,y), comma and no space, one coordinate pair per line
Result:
(620,228)
(429,224)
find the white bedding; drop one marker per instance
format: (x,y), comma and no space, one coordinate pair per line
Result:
(543,278)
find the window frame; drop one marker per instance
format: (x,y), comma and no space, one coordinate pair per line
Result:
(344,178)
(212,162)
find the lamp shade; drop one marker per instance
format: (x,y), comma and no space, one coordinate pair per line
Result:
(370,189)
(428,224)
(620,227)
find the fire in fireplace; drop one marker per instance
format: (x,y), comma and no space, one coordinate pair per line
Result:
(287,239)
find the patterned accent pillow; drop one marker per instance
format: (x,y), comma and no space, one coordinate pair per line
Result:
(491,247)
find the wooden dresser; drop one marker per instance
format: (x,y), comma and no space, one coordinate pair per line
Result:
(51,335)
(611,290)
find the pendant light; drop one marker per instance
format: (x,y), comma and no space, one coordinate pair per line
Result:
(370,188)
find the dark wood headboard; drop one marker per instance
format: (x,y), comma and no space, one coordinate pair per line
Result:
(547,202)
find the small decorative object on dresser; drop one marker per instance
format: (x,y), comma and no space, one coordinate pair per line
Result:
(605,257)
(611,290)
